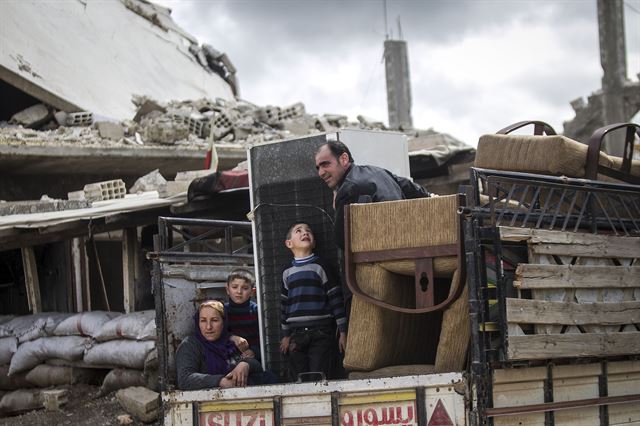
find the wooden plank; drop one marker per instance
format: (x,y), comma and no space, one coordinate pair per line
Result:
(532,276)
(575,388)
(31,281)
(570,313)
(558,295)
(77,248)
(574,244)
(546,346)
(129,253)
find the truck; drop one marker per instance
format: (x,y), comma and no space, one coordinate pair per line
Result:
(516,301)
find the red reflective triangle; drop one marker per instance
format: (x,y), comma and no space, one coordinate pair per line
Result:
(440,417)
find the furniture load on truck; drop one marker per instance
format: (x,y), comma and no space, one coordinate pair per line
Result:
(549,310)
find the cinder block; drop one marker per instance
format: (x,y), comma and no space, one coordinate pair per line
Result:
(54,399)
(107,190)
(81,118)
(140,402)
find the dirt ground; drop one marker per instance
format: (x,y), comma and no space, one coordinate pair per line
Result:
(85,407)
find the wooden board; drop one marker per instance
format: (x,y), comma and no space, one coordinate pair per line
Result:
(574,244)
(569,313)
(535,276)
(545,346)
(31,281)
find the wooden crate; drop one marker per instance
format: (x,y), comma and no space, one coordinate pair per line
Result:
(521,387)
(579,296)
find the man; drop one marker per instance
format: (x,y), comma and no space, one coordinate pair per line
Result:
(352,183)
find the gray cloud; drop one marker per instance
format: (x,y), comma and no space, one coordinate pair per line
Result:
(327,55)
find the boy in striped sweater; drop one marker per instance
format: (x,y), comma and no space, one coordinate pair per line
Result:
(312,306)
(242,313)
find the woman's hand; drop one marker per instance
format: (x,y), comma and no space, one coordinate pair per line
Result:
(240,342)
(237,377)
(248,354)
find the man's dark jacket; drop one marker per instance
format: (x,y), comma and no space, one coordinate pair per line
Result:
(370,184)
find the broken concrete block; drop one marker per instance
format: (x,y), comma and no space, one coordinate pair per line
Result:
(152,181)
(147,106)
(269,114)
(61,118)
(292,111)
(190,175)
(297,126)
(173,188)
(124,419)
(80,118)
(107,190)
(140,402)
(32,117)
(110,130)
(54,399)
(75,195)
(162,129)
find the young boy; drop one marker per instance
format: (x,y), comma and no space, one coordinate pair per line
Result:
(311,304)
(242,313)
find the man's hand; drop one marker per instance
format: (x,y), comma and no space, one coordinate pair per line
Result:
(342,341)
(237,377)
(284,344)
(240,342)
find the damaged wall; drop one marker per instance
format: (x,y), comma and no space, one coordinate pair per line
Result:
(95,55)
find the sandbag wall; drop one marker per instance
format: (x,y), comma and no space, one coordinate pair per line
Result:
(54,349)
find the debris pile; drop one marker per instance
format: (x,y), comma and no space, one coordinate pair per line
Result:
(176,123)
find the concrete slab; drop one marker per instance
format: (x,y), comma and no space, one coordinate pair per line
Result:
(140,402)
(18,158)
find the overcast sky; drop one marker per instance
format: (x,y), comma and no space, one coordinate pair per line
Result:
(476,66)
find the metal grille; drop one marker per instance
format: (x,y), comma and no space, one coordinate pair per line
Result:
(541,202)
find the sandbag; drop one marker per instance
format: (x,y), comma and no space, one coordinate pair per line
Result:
(380,337)
(84,323)
(455,333)
(135,326)
(44,375)
(120,378)
(8,346)
(19,401)
(119,353)
(6,318)
(31,327)
(35,352)
(16,381)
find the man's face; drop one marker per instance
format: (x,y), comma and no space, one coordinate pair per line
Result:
(239,290)
(330,168)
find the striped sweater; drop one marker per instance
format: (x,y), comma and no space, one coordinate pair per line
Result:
(311,296)
(242,320)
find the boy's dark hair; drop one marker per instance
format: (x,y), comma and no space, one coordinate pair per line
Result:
(241,274)
(337,148)
(290,230)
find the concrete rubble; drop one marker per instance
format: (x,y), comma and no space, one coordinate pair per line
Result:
(176,123)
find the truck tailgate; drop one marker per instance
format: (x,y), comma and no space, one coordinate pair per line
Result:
(435,399)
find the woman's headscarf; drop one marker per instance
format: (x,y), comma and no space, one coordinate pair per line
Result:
(216,353)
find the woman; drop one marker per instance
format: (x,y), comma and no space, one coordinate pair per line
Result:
(209,359)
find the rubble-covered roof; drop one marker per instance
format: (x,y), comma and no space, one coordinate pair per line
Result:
(94,55)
